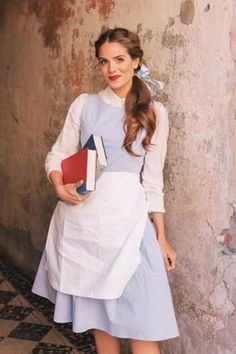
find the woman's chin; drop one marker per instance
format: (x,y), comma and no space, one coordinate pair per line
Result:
(115,84)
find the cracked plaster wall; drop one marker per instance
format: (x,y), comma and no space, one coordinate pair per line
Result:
(47,58)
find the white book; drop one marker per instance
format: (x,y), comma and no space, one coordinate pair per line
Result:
(96,143)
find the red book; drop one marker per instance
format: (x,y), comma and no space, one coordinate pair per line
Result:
(80,166)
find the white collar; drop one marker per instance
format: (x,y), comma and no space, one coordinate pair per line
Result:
(109,96)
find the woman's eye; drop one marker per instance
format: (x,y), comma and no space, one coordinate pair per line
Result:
(102,61)
(120,60)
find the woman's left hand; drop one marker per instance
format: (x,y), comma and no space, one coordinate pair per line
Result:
(169,254)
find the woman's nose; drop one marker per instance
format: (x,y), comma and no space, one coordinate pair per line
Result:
(111,67)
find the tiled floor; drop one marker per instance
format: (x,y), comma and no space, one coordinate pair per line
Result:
(26,320)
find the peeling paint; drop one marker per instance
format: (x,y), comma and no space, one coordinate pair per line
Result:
(148,35)
(51,60)
(229,236)
(14,117)
(172,40)
(227,239)
(171,21)
(51,15)
(187,11)
(139,28)
(105,7)
(103,29)
(75,34)
(76,68)
(207,8)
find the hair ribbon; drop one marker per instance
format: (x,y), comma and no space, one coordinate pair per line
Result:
(144,74)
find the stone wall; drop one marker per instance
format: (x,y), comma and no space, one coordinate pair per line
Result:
(47,59)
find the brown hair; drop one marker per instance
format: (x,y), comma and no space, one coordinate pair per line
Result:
(139,112)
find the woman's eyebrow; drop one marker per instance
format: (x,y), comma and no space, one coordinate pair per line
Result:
(117,56)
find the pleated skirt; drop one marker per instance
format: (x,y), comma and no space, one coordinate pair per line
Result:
(144,311)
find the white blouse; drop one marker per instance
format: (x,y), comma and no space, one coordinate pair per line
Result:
(67,143)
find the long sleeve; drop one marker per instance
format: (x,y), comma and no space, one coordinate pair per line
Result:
(68,140)
(152,176)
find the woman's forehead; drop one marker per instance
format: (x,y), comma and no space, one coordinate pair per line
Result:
(112,49)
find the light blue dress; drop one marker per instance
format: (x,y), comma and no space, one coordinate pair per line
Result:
(144,310)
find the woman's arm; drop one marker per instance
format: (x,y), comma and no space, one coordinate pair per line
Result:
(66,144)
(169,255)
(152,179)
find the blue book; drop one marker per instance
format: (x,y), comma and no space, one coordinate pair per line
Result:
(96,143)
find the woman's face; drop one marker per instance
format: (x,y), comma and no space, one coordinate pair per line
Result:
(117,67)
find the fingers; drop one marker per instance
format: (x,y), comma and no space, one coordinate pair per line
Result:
(69,195)
(170,261)
(72,189)
(77,196)
(169,254)
(167,262)
(78,184)
(68,199)
(75,193)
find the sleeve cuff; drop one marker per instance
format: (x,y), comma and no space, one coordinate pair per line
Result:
(155,204)
(53,168)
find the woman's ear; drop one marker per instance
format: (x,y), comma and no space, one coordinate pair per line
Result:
(136,63)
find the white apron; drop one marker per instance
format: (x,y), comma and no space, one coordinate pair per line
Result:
(93,248)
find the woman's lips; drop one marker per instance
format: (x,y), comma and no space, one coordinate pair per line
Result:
(114,77)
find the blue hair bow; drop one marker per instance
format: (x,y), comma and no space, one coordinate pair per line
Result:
(144,74)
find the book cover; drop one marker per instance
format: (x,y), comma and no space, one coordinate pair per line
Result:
(96,143)
(80,166)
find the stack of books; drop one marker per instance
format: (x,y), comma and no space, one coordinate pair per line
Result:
(87,164)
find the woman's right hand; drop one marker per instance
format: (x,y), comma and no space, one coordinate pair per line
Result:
(67,193)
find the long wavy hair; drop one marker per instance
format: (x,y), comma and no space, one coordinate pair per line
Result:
(139,111)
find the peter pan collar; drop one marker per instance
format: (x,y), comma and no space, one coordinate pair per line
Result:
(109,96)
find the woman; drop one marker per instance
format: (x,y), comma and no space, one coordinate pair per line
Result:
(104,261)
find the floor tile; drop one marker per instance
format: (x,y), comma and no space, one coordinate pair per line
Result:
(31,325)
(85,343)
(6,296)
(37,317)
(16,346)
(6,286)
(19,300)
(30,331)
(48,348)
(55,337)
(17,313)
(6,326)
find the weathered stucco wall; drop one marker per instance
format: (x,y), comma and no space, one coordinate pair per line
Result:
(47,58)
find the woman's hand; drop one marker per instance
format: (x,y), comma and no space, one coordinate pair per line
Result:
(67,193)
(169,254)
